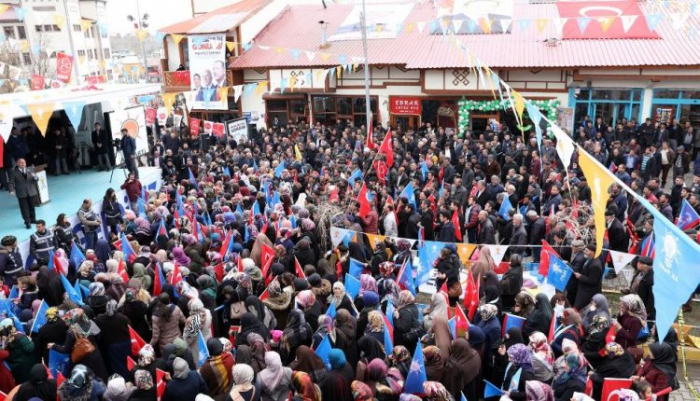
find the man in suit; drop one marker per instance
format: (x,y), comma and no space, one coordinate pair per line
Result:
(23,183)
(101,145)
(486,235)
(447,229)
(129,149)
(642,284)
(589,278)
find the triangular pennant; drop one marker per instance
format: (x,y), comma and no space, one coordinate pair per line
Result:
(621,259)
(230,46)
(237,92)
(177,38)
(485,24)
(421,26)
(540,24)
(523,25)
(583,23)
(628,21)
(559,24)
(41,114)
(497,253)
(59,20)
(310,55)
(653,20)
(142,34)
(606,23)
(74,111)
(505,24)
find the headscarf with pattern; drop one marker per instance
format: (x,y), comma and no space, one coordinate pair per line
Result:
(375,322)
(304,387)
(540,348)
(147,355)
(635,307)
(361,391)
(613,349)
(143,379)
(520,355)
(435,391)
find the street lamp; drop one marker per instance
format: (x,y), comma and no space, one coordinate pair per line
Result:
(140,22)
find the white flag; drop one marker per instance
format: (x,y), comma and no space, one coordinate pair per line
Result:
(620,260)
(497,252)
(627,21)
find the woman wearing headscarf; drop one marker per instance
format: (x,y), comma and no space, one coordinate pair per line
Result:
(115,338)
(519,372)
(436,391)
(375,326)
(572,380)
(340,299)
(140,274)
(630,321)
(256,252)
(361,391)
(279,302)
(308,362)
(275,381)
(179,256)
(345,326)
(257,348)
(166,319)
(50,286)
(617,363)
(297,333)
(38,386)
(250,324)
(524,305)
(145,390)
(438,307)
(326,328)
(370,302)
(493,297)
(386,384)
(659,369)
(407,328)
(304,388)
(434,364)
(146,361)
(53,331)
(198,321)
(540,318)
(338,363)
(462,370)
(569,329)
(491,327)
(597,307)
(368,348)
(543,357)
(136,311)
(595,341)
(216,370)
(262,312)
(512,282)
(82,327)
(484,263)
(185,383)
(537,391)
(117,390)
(501,360)
(243,388)
(367,283)
(81,386)
(400,359)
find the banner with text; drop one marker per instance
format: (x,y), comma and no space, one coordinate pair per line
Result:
(207,55)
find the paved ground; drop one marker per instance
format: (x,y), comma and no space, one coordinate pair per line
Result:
(684,394)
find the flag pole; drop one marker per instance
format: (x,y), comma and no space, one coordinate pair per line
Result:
(688,384)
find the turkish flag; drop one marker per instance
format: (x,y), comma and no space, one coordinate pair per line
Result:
(461,319)
(365,204)
(544,258)
(387,148)
(136,341)
(455,222)
(150,115)
(160,383)
(298,269)
(266,259)
(38,82)
(121,270)
(175,276)
(381,169)
(194,126)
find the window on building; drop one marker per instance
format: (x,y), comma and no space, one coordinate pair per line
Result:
(669,105)
(39,28)
(81,53)
(105,53)
(612,105)
(328,109)
(21,32)
(90,54)
(9,31)
(77,28)
(26,58)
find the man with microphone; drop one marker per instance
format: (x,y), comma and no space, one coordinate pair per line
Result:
(23,182)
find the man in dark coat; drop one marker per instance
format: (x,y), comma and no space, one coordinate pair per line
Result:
(11,265)
(426,220)
(23,183)
(589,278)
(129,150)
(578,259)
(447,229)
(412,222)
(519,237)
(486,231)
(642,284)
(538,229)
(101,142)
(617,237)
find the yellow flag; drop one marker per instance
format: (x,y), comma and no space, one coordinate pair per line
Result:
(3,8)
(81,59)
(338,71)
(262,86)
(85,24)
(297,153)
(485,24)
(168,100)
(465,251)
(540,23)
(223,93)
(373,239)
(230,46)
(59,20)
(24,45)
(410,27)
(606,22)
(325,56)
(519,104)
(142,34)
(292,83)
(177,38)
(41,114)
(600,179)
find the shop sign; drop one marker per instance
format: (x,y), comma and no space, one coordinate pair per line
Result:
(406,105)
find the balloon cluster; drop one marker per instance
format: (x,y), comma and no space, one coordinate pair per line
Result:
(466,106)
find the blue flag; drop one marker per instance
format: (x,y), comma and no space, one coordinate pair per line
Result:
(352,286)
(676,273)
(559,273)
(491,391)
(688,218)
(226,171)
(203,351)
(406,277)
(40,318)
(410,194)
(76,255)
(79,289)
(428,252)
(453,326)
(512,321)
(390,311)
(356,175)
(322,351)
(416,375)
(463,397)
(239,209)
(193,179)
(388,342)
(59,362)
(506,207)
(142,207)
(275,199)
(70,290)
(356,267)
(424,169)
(14,292)
(246,234)
(515,380)
(279,169)
(331,311)
(255,166)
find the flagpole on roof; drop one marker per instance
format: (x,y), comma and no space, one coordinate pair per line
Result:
(368,109)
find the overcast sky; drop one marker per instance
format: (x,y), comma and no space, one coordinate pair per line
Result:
(160,13)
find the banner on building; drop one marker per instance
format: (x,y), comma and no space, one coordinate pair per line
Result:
(38,82)
(207,54)
(162,115)
(565,119)
(604,20)
(64,67)
(407,106)
(238,130)
(194,126)
(150,116)
(219,130)
(133,120)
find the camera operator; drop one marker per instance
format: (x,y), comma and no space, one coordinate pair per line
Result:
(129,151)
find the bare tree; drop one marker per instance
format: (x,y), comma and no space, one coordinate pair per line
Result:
(41,60)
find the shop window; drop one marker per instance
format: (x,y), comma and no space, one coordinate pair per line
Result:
(666,94)
(344,106)
(324,104)
(277,105)
(691,112)
(610,104)
(691,95)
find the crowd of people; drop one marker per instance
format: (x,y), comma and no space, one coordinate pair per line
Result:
(229,276)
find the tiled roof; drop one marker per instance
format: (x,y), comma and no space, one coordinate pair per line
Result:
(217,21)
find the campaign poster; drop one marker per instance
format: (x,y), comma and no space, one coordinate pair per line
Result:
(238,130)
(565,119)
(64,67)
(150,116)
(208,127)
(134,121)
(219,130)
(194,126)
(207,55)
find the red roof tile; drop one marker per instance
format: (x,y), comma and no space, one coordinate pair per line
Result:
(220,20)
(298,28)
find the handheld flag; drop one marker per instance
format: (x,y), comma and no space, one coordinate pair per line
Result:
(553,329)
(72,294)
(452,323)
(510,320)
(40,318)
(388,337)
(76,255)
(356,268)
(409,194)
(219,272)
(363,199)
(416,375)
(455,223)
(193,179)
(142,207)
(491,391)
(203,351)
(323,351)
(279,169)
(298,270)
(390,312)
(293,221)
(649,246)
(387,148)
(58,362)
(424,169)
(428,252)
(352,286)
(370,133)
(405,276)
(158,281)
(55,263)
(545,254)
(136,341)
(160,383)
(356,175)
(266,258)
(121,271)
(461,321)
(265,295)
(162,231)
(129,253)
(559,273)
(130,363)
(506,207)
(688,218)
